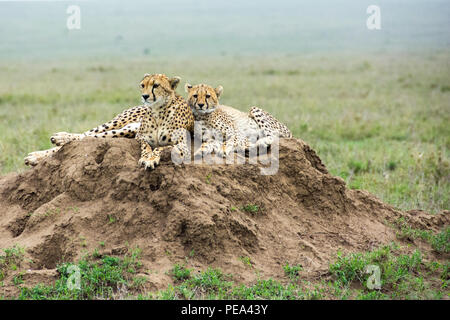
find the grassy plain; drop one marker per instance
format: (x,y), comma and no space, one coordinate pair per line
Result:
(381,122)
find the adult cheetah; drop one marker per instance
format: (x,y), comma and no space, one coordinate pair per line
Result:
(239,130)
(161,121)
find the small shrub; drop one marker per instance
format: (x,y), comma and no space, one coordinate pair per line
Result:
(250,208)
(246,260)
(358,167)
(11,260)
(441,241)
(292,271)
(179,272)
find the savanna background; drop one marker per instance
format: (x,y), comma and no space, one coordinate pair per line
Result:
(374,104)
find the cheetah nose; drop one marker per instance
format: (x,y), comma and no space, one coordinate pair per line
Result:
(145,96)
(201,105)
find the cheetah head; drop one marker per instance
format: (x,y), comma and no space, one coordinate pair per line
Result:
(158,89)
(203,98)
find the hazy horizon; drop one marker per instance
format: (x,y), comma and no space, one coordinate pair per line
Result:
(37,29)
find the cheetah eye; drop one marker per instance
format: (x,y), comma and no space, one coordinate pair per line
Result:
(195,96)
(208,96)
(155,85)
(142,85)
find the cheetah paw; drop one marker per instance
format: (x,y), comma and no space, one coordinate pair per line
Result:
(61,138)
(149,163)
(33,158)
(264,142)
(180,155)
(224,151)
(204,150)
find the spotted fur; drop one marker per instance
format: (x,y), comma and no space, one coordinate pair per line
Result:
(161,121)
(235,126)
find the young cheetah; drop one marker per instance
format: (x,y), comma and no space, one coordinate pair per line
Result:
(160,122)
(237,128)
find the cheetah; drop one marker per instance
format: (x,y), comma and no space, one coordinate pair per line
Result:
(235,127)
(162,121)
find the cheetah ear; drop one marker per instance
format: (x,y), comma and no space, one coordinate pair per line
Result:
(187,87)
(145,76)
(174,82)
(218,91)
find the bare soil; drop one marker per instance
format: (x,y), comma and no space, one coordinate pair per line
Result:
(93,191)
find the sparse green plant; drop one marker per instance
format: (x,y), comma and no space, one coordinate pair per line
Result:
(96,253)
(250,208)
(11,259)
(75,209)
(83,242)
(111,218)
(441,241)
(138,281)
(372,295)
(246,260)
(18,279)
(180,272)
(292,271)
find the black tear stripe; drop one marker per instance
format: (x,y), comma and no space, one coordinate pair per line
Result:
(154,97)
(207,104)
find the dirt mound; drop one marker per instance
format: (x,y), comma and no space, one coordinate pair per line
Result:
(92,191)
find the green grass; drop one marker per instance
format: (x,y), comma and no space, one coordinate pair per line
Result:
(214,284)
(440,241)
(10,260)
(402,276)
(292,271)
(246,261)
(250,208)
(180,272)
(102,278)
(378,121)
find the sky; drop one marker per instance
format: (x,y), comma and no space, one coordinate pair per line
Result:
(37,29)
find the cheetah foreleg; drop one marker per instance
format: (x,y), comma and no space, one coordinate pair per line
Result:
(224,149)
(61,138)
(121,121)
(181,151)
(34,158)
(206,148)
(129,131)
(149,158)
